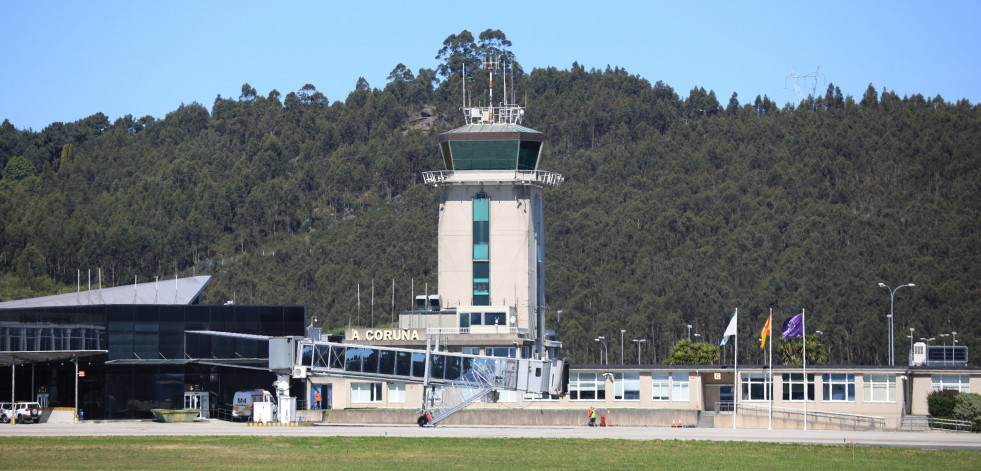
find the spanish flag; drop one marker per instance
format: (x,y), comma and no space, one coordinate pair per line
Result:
(766,331)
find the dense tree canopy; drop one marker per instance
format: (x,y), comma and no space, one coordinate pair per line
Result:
(675,210)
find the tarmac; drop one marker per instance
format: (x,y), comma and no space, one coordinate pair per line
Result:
(902,439)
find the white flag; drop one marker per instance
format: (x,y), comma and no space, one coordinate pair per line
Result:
(731,330)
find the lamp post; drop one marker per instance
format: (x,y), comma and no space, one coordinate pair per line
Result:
(559,322)
(689,332)
(602,340)
(697,335)
(638,342)
(622,331)
(945,347)
(911,330)
(892,302)
(928,340)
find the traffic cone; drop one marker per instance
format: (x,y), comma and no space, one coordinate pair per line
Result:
(673,422)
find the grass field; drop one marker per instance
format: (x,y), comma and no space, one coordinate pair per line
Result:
(179,453)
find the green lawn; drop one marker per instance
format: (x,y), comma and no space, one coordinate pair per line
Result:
(179,453)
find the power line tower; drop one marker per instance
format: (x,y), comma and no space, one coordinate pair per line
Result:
(809,79)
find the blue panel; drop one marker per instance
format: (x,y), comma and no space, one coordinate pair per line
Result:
(480,252)
(481,210)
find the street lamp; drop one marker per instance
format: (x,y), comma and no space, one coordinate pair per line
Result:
(945,346)
(911,330)
(602,340)
(638,342)
(559,326)
(621,345)
(689,332)
(892,296)
(697,335)
(928,340)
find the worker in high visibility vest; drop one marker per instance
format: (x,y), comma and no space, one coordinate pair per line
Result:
(592,417)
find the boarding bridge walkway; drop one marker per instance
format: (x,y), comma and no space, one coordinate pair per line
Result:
(452,380)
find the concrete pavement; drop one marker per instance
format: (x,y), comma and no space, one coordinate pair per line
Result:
(929,440)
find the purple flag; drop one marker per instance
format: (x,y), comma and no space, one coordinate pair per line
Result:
(794,326)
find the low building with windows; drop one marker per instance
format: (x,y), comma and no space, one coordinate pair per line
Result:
(834,397)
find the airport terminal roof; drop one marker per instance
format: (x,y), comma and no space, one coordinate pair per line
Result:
(172,291)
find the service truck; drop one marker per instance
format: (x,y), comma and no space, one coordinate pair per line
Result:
(243,401)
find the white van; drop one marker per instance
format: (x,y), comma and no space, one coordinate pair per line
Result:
(243,401)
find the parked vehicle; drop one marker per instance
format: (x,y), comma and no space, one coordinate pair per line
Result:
(243,401)
(6,412)
(27,412)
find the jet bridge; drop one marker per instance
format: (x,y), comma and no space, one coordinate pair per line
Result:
(452,380)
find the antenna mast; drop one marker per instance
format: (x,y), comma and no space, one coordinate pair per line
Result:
(798,91)
(504,113)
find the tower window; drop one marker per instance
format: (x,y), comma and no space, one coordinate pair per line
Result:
(481,250)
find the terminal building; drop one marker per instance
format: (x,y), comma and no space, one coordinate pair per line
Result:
(120,352)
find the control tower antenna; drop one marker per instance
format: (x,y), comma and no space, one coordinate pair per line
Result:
(491,63)
(504,112)
(798,90)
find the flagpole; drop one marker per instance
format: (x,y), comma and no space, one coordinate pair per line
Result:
(735,372)
(803,325)
(769,323)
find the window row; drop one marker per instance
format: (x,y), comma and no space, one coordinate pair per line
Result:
(835,387)
(626,386)
(395,362)
(372,392)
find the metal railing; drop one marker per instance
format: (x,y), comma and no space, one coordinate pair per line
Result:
(530,177)
(503,114)
(855,421)
(484,329)
(950,425)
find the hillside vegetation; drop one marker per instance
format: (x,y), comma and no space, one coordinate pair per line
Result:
(676,209)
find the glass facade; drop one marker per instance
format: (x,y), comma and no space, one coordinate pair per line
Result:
(150,358)
(485,155)
(481,250)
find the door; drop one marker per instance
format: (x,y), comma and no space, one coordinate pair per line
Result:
(725,399)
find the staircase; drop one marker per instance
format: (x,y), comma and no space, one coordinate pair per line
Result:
(706,419)
(459,393)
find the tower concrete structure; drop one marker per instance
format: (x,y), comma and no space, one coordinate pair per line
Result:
(491,223)
(490,296)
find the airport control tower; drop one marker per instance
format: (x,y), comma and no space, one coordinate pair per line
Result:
(491,224)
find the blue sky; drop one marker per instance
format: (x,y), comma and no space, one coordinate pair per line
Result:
(63,61)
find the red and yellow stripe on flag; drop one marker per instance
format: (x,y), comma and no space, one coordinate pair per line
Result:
(766,331)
